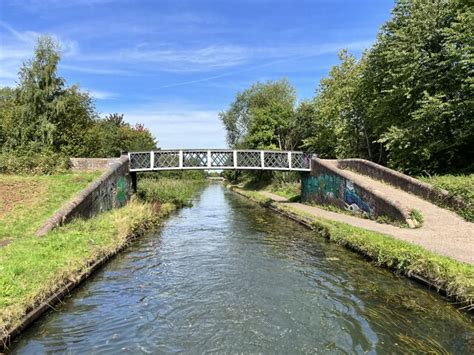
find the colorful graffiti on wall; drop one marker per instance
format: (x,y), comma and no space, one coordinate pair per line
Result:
(333,189)
(121,190)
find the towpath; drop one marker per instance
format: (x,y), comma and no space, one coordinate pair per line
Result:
(443,232)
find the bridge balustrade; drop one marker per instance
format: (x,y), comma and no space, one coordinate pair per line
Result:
(220,159)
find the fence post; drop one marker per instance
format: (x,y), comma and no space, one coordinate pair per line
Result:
(180,159)
(209,159)
(262,159)
(234,153)
(152,160)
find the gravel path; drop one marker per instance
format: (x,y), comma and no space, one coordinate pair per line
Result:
(443,231)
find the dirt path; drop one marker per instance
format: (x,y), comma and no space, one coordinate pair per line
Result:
(443,231)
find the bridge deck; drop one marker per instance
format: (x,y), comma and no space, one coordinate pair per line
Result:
(220,159)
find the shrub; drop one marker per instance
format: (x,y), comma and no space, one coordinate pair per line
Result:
(44,163)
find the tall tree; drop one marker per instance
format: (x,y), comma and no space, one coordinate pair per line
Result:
(47,115)
(419,80)
(262,116)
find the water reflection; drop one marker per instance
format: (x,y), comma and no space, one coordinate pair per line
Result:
(227,275)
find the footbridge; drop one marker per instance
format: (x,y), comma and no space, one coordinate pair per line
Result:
(219,159)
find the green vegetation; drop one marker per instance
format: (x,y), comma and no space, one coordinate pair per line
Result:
(43,121)
(163,190)
(417,217)
(289,190)
(406,103)
(460,186)
(454,277)
(27,201)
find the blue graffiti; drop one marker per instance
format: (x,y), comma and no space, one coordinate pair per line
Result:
(352,198)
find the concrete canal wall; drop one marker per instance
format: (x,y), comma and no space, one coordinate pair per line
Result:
(111,190)
(328,185)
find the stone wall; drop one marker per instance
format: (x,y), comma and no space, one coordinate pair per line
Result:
(326,184)
(91,164)
(111,190)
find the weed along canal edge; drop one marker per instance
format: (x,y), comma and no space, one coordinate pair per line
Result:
(228,274)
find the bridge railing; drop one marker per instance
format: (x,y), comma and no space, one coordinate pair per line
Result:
(220,159)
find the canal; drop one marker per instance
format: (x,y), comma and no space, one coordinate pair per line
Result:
(229,276)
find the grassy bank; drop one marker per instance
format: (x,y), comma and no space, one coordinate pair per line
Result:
(461,186)
(455,278)
(27,201)
(32,269)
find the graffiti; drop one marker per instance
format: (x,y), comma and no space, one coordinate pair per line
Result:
(335,190)
(354,202)
(326,186)
(121,194)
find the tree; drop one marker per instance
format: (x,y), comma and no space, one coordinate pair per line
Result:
(45,114)
(419,80)
(262,117)
(112,136)
(339,123)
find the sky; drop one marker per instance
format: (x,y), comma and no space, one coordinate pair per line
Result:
(174,65)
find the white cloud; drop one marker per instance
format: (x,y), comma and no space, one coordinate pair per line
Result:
(94,70)
(101,95)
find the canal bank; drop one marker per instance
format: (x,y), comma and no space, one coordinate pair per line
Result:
(448,276)
(227,275)
(38,272)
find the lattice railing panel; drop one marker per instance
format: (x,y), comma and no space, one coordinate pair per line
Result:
(194,159)
(140,160)
(300,160)
(276,160)
(222,159)
(166,159)
(248,159)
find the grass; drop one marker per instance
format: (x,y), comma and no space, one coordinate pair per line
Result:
(461,186)
(162,190)
(27,201)
(455,278)
(289,190)
(32,268)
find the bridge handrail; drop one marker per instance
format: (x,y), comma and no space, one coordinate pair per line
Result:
(219,159)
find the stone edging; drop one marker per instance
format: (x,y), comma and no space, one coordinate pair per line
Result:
(397,209)
(70,209)
(402,181)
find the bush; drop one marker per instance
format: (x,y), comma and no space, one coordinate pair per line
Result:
(44,163)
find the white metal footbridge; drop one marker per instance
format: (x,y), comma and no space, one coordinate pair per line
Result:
(219,159)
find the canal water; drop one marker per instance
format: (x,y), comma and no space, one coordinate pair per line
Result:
(229,276)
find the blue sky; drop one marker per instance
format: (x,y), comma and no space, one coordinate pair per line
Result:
(173,65)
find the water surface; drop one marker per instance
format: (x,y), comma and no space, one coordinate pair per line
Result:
(229,276)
